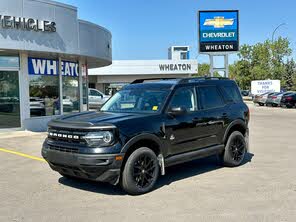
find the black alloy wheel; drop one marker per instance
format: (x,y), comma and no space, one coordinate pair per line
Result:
(140,172)
(144,171)
(235,150)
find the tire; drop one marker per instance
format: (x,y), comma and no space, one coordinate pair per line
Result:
(235,150)
(261,104)
(140,172)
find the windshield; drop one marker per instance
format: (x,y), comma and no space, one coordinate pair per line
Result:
(136,100)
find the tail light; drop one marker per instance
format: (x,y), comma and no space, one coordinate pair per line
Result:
(289,98)
(273,97)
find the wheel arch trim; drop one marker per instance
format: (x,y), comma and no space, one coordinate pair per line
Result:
(143,136)
(234,123)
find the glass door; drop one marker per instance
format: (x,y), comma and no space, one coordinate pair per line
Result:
(9,100)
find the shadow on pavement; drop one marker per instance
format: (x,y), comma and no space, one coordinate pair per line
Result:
(173,173)
(92,186)
(193,168)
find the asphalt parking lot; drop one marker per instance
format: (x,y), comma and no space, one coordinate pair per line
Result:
(262,189)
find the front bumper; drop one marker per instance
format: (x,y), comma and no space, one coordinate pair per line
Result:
(96,167)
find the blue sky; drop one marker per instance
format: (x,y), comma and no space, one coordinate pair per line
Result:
(144,29)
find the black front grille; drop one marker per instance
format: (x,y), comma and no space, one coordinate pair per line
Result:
(64,149)
(68,136)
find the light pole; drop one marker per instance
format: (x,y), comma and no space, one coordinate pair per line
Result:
(282,24)
(272,40)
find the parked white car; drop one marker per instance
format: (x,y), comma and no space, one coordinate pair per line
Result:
(67,104)
(96,98)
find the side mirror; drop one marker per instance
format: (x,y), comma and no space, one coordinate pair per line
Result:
(177,111)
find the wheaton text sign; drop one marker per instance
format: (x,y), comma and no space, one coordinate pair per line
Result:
(218,31)
(50,67)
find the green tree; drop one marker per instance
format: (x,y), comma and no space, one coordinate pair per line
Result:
(290,75)
(261,61)
(241,69)
(203,69)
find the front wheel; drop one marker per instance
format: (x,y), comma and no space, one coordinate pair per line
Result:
(235,150)
(140,172)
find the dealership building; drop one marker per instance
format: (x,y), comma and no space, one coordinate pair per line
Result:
(45,52)
(111,78)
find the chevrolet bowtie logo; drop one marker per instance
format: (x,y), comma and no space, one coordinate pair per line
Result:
(219,22)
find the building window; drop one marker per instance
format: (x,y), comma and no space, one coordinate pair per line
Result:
(9,62)
(9,100)
(44,87)
(70,94)
(44,95)
(183,55)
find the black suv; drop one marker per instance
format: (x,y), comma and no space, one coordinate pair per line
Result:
(147,126)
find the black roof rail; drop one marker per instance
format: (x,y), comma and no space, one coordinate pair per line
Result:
(184,80)
(187,80)
(137,81)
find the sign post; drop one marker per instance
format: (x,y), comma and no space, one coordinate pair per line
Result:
(218,36)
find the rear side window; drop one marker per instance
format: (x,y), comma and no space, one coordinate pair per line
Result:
(231,94)
(210,97)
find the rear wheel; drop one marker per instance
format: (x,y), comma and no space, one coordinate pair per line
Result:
(140,172)
(235,150)
(261,104)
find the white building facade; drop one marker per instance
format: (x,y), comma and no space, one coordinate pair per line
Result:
(45,51)
(122,72)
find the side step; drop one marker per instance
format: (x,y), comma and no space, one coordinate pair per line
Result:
(192,155)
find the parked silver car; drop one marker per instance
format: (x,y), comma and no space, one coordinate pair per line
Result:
(261,99)
(96,98)
(271,99)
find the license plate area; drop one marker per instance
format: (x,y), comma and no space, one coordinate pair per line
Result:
(62,158)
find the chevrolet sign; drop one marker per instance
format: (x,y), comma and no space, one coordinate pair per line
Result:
(218,31)
(219,22)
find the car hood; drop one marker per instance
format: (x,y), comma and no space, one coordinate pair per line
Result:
(95,119)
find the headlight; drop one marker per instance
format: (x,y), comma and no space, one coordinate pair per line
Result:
(102,138)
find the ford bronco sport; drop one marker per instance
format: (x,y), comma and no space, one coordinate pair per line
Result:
(148,126)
